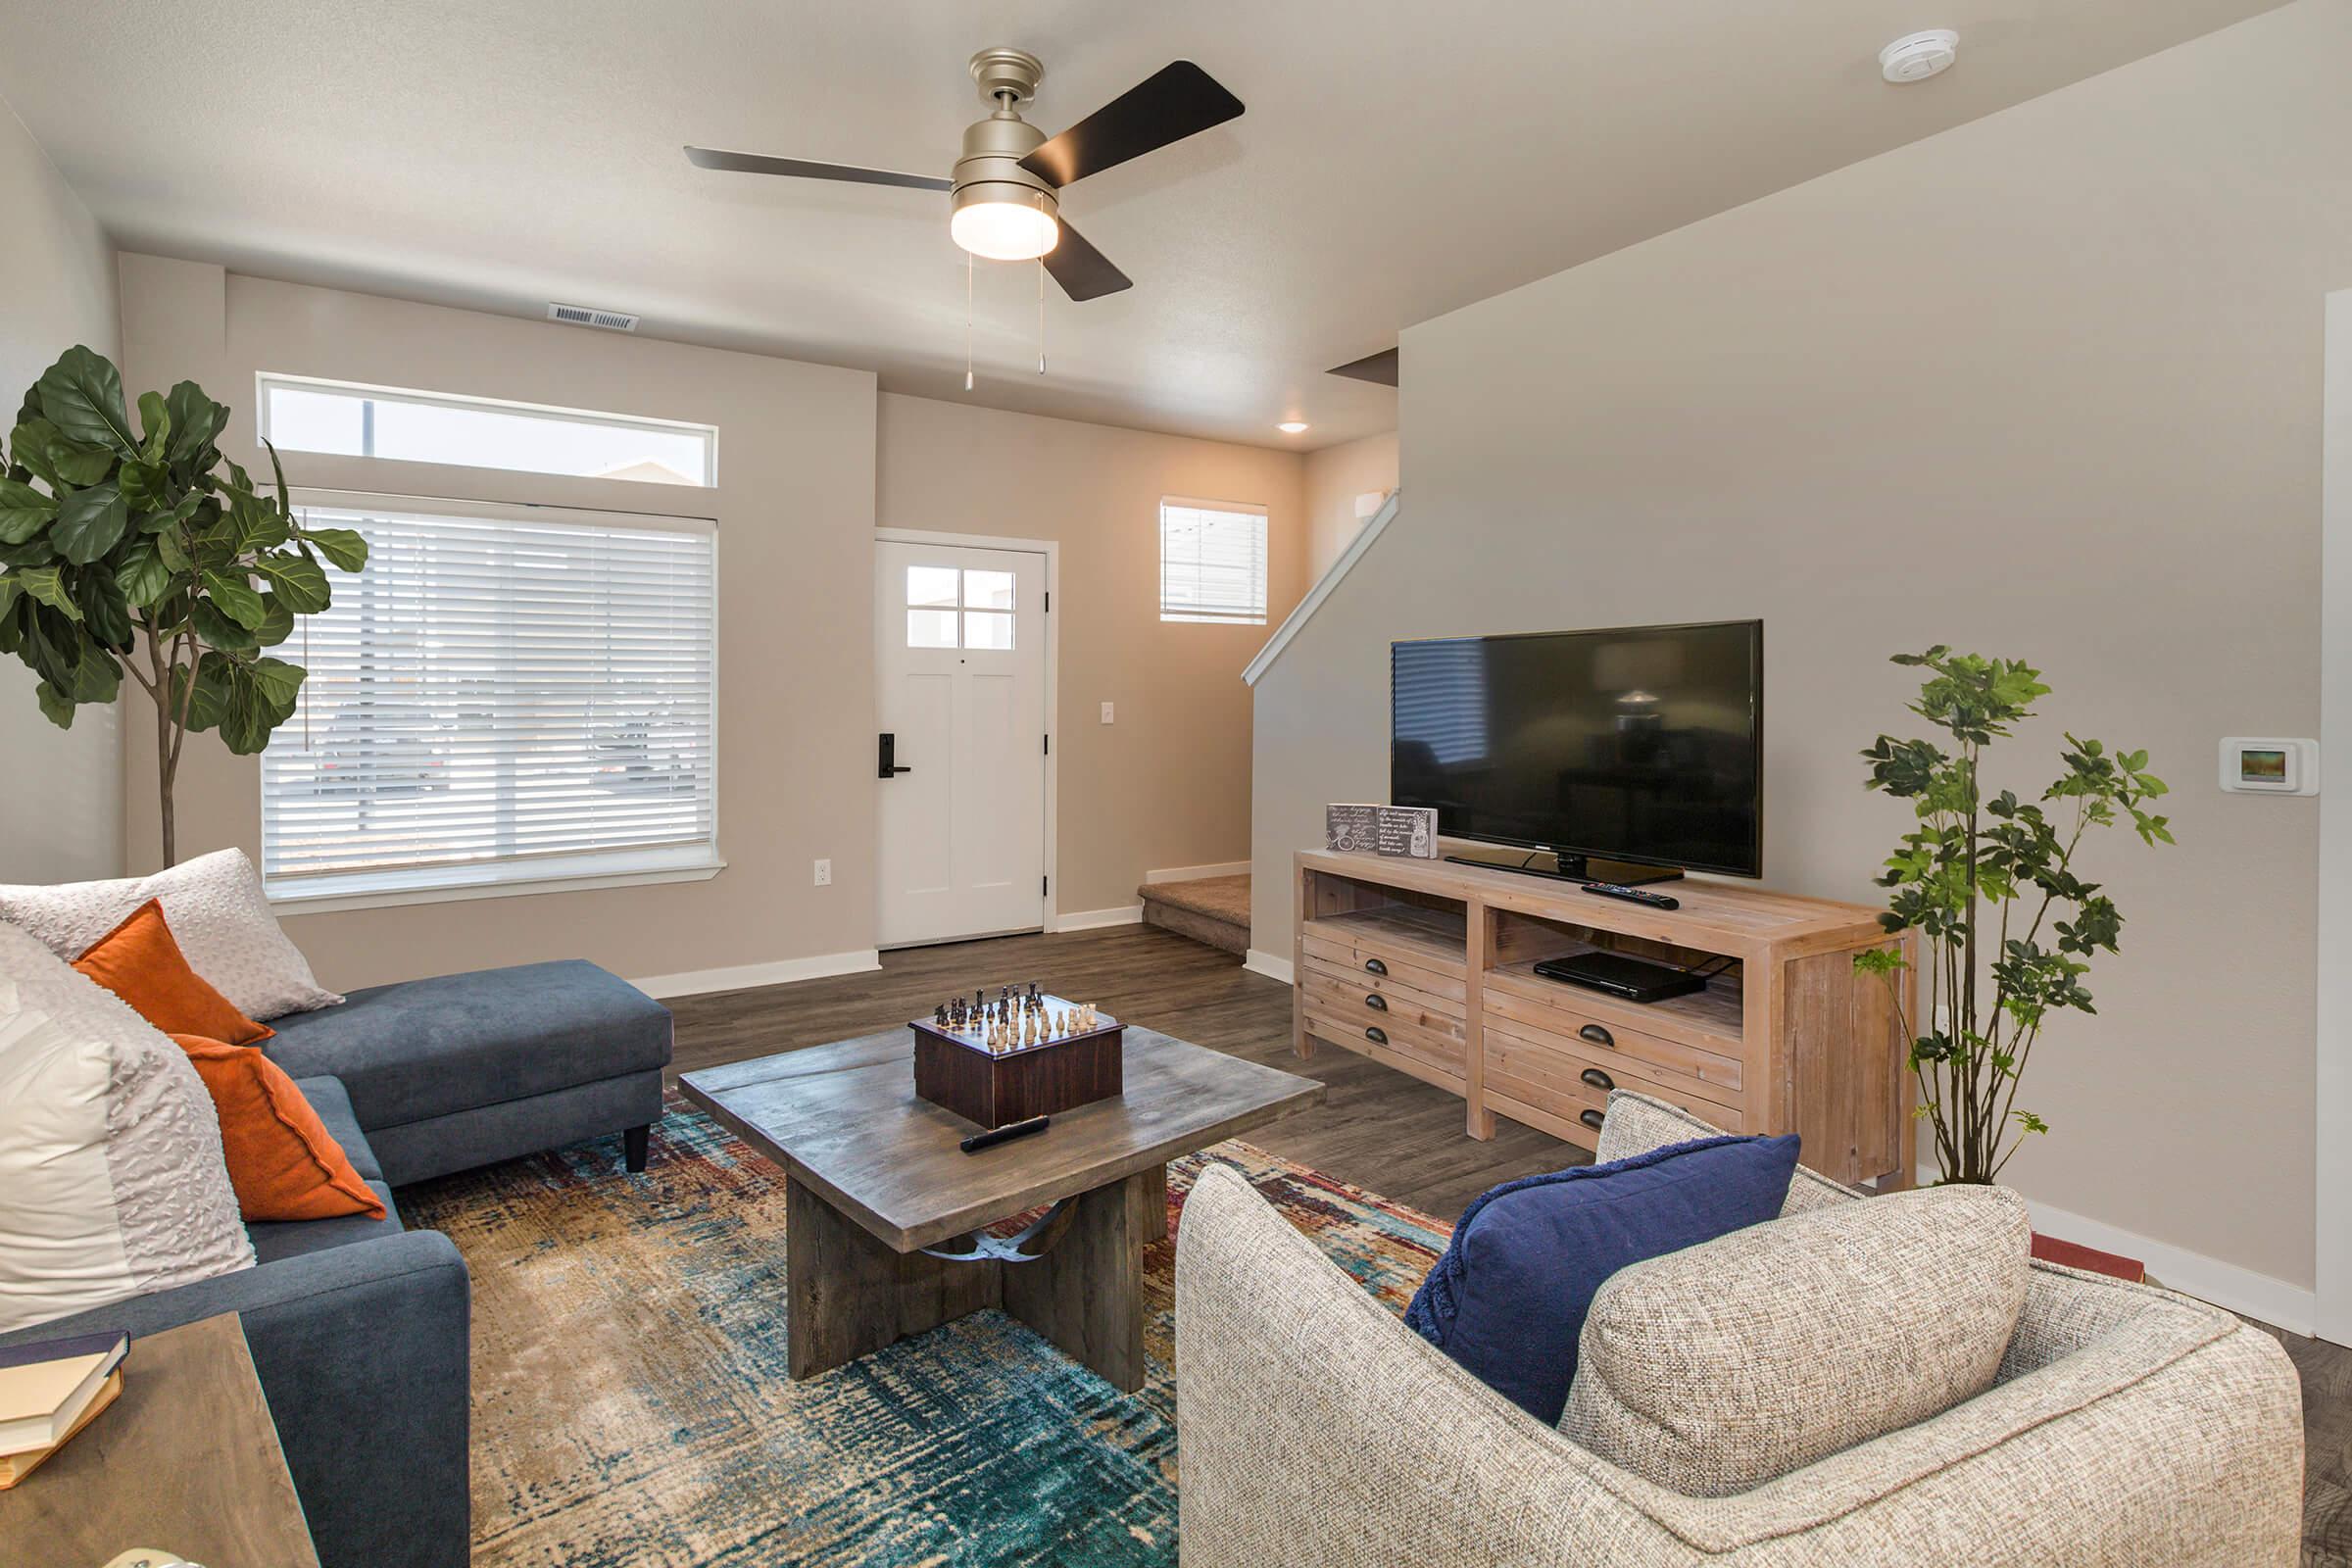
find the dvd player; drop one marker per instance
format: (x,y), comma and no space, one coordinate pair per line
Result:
(1630,979)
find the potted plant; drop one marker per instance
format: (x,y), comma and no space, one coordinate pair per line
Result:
(144,550)
(2006,925)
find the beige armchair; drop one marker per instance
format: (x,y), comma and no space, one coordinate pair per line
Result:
(2129,1427)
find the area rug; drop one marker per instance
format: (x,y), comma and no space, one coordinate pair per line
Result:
(630,1403)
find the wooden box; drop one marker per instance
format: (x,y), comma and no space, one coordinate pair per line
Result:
(955,1069)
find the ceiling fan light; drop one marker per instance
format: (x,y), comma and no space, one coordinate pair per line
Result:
(1003,231)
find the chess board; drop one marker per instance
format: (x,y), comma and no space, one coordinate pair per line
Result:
(967,1067)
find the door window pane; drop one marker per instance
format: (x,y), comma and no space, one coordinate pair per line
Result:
(988,590)
(983,628)
(930,629)
(931,585)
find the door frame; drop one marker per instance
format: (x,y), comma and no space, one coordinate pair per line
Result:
(1052,550)
(2332,1308)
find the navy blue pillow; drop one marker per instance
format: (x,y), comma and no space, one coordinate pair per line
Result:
(1508,1299)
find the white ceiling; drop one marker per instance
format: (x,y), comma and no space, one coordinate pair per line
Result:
(1398,159)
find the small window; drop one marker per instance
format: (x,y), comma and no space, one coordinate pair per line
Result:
(372,422)
(1212,561)
(951,609)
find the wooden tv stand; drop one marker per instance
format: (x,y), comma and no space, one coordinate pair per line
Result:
(1428,966)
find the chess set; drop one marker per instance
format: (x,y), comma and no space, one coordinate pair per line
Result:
(1016,1056)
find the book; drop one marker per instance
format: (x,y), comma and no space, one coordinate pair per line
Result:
(46,1386)
(15,1467)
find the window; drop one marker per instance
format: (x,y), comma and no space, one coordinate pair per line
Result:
(505,695)
(1212,561)
(375,421)
(951,609)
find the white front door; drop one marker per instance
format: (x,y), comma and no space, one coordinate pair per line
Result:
(959,653)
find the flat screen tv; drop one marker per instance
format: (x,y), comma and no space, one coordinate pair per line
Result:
(1641,745)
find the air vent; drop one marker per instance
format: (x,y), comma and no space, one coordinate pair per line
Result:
(583,316)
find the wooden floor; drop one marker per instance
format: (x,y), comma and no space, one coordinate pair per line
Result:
(1378,1128)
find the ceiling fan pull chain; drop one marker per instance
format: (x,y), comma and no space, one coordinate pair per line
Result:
(967,320)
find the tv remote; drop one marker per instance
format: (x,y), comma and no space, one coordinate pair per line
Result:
(1657,901)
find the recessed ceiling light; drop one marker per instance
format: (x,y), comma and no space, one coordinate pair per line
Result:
(1292,427)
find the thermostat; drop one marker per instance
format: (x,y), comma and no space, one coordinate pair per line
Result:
(2253,765)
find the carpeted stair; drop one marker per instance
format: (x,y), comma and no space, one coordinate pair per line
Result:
(1214,909)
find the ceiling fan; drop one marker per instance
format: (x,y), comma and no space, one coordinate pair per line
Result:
(1005,190)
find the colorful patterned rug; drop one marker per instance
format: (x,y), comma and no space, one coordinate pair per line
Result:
(630,1403)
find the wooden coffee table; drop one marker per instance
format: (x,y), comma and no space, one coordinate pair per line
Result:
(883,1212)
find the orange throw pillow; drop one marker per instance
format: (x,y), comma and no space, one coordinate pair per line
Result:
(282,1160)
(140,962)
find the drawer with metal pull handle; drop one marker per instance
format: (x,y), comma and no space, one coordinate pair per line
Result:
(1598,1079)
(1376,1002)
(1590,1118)
(1376,1034)
(1597,1035)
(1375,966)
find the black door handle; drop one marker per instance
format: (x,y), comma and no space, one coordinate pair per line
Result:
(1590,1118)
(1598,1079)
(1375,966)
(888,766)
(1596,1034)
(1376,1002)
(1378,1036)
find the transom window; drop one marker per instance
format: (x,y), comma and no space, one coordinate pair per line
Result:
(347,420)
(1212,561)
(503,695)
(948,607)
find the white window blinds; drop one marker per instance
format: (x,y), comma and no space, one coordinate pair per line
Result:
(1212,561)
(500,696)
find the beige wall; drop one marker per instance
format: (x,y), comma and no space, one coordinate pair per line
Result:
(60,804)
(1168,783)
(2048,385)
(1335,477)
(795,512)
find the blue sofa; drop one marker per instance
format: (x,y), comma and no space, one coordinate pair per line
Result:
(359,1327)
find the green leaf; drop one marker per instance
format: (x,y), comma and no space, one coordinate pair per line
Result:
(143,484)
(343,548)
(155,417)
(278,683)
(89,522)
(97,678)
(56,706)
(236,598)
(284,504)
(83,396)
(159,522)
(301,584)
(215,630)
(24,511)
(29,447)
(46,584)
(141,575)
(276,627)
(210,703)
(106,613)
(78,465)
(195,420)
(171,552)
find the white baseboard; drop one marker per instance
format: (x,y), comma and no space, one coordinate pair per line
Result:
(2292,1307)
(1194,873)
(1263,962)
(1088,920)
(744,976)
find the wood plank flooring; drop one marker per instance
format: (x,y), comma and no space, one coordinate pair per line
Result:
(1377,1129)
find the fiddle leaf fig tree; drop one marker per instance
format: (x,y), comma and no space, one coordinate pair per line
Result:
(2006,926)
(136,547)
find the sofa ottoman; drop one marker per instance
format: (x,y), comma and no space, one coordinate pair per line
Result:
(464,1069)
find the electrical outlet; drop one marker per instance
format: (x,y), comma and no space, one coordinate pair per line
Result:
(824,873)
(1105,712)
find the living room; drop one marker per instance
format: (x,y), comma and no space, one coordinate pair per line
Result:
(705,688)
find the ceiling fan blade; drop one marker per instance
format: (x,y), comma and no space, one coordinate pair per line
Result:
(1083,272)
(761,163)
(1177,101)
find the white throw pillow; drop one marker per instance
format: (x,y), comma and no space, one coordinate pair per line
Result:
(112,1180)
(217,913)
(1711,1370)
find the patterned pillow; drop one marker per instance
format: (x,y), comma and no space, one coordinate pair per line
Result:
(112,1180)
(217,913)
(1711,1370)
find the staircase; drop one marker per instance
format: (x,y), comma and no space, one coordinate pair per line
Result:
(1214,909)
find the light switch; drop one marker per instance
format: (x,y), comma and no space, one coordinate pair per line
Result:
(1105,712)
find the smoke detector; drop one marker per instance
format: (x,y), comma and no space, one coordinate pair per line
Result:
(1920,55)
